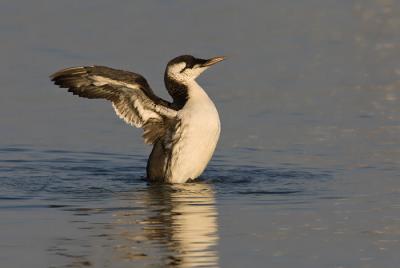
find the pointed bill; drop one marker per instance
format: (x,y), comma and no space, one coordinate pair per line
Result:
(213,61)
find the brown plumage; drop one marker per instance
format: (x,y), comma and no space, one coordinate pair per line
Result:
(184,133)
(130,94)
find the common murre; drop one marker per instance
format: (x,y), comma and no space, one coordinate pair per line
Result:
(184,133)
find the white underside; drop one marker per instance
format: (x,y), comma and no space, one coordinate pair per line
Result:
(196,138)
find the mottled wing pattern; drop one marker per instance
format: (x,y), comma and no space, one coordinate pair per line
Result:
(130,94)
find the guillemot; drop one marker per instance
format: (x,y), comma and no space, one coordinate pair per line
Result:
(184,132)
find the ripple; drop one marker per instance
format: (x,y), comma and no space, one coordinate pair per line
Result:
(264,183)
(108,202)
(67,174)
(268,192)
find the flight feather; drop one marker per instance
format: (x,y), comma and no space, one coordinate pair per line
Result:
(130,94)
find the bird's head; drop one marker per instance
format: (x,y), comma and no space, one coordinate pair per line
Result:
(188,68)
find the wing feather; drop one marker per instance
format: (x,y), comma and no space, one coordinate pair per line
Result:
(131,96)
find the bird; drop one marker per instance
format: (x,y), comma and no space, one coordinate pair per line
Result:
(184,132)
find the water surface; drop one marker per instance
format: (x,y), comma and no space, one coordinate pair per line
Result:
(306,173)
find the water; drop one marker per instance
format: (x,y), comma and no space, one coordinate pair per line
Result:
(306,173)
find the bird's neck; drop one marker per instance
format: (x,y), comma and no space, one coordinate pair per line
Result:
(182,91)
(196,91)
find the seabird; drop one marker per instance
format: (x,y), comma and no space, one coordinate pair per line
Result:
(184,132)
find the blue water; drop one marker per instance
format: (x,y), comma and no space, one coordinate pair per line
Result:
(306,173)
(97,209)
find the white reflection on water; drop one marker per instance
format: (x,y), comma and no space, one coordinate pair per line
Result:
(181,223)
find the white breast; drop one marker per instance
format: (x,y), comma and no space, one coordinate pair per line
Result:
(196,139)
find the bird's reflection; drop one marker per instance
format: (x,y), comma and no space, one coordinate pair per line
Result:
(177,227)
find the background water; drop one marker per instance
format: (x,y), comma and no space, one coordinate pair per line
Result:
(306,173)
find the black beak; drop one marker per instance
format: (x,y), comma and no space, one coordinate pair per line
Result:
(212,61)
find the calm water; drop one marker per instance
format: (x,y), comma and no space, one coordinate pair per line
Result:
(307,171)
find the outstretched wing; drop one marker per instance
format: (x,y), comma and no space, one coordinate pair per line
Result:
(130,94)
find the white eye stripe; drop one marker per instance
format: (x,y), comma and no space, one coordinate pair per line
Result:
(184,72)
(177,67)
(184,68)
